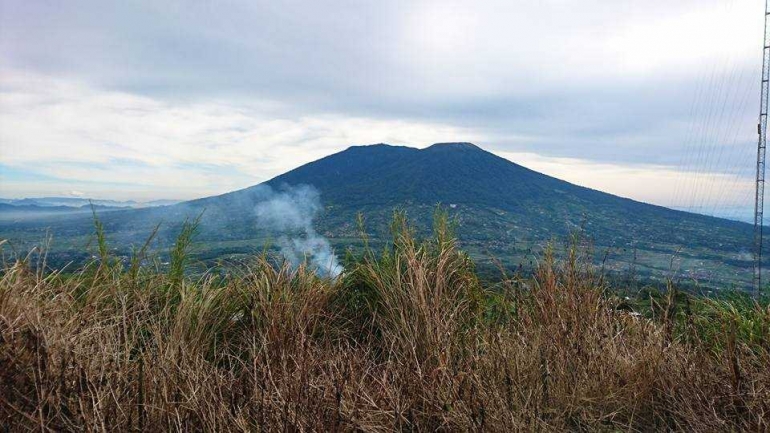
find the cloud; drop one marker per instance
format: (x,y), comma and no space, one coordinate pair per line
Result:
(704,192)
(353,53)
(81,135)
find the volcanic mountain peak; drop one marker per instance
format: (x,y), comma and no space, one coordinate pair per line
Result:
(385,147)
(454,146)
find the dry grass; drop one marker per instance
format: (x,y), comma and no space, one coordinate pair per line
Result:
(406,340)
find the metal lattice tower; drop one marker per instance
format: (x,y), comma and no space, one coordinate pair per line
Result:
(759,198)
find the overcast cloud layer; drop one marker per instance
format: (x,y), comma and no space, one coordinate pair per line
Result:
(655,100)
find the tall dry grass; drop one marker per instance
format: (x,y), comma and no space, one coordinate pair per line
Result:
(407,339)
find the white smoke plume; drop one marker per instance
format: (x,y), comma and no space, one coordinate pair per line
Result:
(290,213)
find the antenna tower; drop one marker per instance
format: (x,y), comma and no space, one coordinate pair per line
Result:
(759,198)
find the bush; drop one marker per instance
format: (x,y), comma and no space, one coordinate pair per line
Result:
(406,339)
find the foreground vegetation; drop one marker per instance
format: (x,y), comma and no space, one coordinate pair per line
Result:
(406,339)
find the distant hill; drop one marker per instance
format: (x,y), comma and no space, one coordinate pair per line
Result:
(503,210)
(5,207)
(77,202)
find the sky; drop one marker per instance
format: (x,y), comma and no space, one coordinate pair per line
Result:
(653,100)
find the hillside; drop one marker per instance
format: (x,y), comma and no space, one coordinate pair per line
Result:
(503,210)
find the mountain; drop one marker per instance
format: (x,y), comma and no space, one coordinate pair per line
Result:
(503,210)
(34,208)
(77,202)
